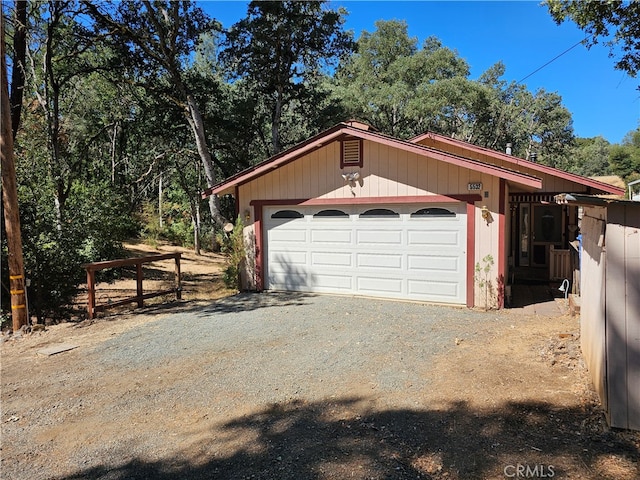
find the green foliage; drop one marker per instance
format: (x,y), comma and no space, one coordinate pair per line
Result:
(617,22)
(590,157)
(404,90)
(232,246)
(55,249)
(281,49)
(625,158)
(400,89)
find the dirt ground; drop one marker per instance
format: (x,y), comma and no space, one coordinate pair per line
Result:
(517,404)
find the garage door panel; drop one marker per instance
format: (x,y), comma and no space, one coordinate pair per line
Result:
(378,237)
(442,289)
(331,236)
(379,285)
(332,259)
(433,263)
(295,281)
(377,260)
(328,282)
(279,259)
(434,238)
(288,235)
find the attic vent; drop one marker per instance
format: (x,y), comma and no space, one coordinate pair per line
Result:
(351,153)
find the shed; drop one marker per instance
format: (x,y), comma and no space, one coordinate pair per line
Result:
(610,303)
(353,211)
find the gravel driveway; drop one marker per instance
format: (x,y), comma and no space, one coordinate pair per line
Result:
(255,386)
(276,347)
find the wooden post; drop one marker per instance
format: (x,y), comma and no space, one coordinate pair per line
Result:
(17,284)
(178,281)
(139,284)
(140,296)
(91,289)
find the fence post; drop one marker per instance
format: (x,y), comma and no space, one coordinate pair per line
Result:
(139,283)
(91,287)
(178,282)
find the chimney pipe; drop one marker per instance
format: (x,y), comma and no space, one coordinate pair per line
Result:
(533,156)
(508,149)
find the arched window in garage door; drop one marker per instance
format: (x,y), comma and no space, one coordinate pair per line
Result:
(331,213)
(379,213)
(287,214)
(433,212)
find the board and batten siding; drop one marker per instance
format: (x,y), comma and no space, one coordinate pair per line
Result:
(387,172)
(550,183)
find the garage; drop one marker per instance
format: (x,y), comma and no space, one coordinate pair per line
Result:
(404,251)
(357,212)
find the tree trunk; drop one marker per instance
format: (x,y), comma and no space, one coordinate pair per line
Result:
(275,124)
(18,72)
(114,139)
(160,220)
(197,125)
(17,284)
(196,230)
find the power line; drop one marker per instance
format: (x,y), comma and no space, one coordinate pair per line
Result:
(554,59)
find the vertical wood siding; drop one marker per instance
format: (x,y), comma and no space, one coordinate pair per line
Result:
(592,324)
(623,315)
(550,183)
(386,172)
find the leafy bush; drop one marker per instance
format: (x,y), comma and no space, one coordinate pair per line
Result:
(233,247)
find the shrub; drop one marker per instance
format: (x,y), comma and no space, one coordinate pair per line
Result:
(232,246)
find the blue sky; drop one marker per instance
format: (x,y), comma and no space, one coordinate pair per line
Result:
(603,101)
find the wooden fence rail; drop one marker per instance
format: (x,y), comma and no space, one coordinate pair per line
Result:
(92,268)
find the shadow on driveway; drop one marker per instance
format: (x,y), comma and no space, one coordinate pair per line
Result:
(246,302)
(328,440)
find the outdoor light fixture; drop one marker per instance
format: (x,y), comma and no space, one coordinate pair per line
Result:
(564,288)
(351,177)
(486,214)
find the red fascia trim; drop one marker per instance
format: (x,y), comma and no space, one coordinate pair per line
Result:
(501,237)
(471,252)
(369,200)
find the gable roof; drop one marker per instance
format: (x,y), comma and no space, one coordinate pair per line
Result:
(520,162)
(342,130)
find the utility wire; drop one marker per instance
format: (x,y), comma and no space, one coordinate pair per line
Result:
(554,59)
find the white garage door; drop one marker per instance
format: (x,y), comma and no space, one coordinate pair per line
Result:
(415,252)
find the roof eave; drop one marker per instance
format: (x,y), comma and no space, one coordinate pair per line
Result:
(581,199)
(605,188)
(228,186)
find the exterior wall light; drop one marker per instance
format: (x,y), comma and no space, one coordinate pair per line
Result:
(486,214)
